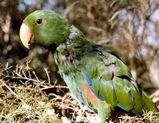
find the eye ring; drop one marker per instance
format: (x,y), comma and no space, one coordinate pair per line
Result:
(39,21)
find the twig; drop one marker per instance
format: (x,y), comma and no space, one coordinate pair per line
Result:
(4,84)
(45,87)
(36,76)
(48,77)
(57,97)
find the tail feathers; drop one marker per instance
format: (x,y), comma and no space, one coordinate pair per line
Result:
(148,105)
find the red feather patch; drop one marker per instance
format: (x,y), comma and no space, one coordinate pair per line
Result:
(88,93)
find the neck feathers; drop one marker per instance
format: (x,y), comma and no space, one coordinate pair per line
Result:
(69,53)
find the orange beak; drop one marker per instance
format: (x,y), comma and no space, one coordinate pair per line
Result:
(25,35)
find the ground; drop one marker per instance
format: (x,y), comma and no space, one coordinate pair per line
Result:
(26,98)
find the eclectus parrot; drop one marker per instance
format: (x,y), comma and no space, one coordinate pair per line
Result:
(94,75)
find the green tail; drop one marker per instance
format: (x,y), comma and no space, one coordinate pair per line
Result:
(148,105)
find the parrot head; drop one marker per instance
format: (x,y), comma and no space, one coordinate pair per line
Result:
(45,28)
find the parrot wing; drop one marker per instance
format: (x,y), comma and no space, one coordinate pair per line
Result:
(109,79)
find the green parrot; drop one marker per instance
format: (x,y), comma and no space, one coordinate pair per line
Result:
(94,75)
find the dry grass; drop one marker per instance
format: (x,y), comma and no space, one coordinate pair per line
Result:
(21,100)
(26,98)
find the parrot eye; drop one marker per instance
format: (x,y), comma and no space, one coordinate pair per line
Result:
(39,21)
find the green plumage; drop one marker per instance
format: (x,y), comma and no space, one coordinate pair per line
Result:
(97,77)
(43,31)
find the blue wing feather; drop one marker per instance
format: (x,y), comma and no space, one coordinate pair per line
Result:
(121,106)
(89,82)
